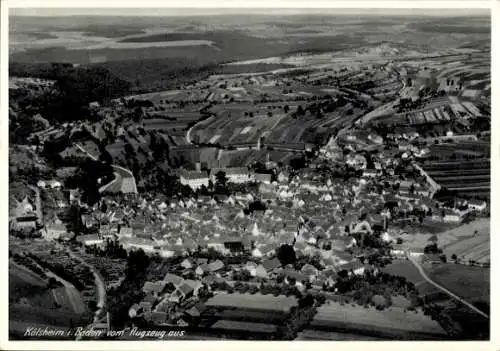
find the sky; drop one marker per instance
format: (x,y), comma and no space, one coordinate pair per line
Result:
(140,12)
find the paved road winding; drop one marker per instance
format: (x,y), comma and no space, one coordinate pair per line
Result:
(127,172)
(426,277)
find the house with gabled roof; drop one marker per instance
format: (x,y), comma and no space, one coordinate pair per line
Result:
(173,279)
(186,264)
(181,293)
(148,302)
(196,285)
(55,230)
(196,310)
(215,266)
(293,276)
(271,264)
(354,267)
(201,269)
(154,288)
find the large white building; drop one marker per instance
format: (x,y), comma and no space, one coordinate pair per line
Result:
(194,179)
(234,174)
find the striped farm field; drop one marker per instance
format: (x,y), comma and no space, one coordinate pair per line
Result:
(251,316)
(319,335)
(471,93)
(474,244)
(429,116)
(420,117)
(391,322)
(247,327)
(438,114)
(256,302)
(472,108)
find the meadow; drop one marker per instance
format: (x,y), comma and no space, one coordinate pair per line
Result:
(391,323)
(469,282)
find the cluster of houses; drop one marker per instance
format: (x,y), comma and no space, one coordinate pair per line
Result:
(177,298)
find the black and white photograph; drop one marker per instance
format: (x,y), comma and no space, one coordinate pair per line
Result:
(284,174)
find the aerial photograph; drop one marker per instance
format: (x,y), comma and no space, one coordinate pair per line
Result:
(229,174)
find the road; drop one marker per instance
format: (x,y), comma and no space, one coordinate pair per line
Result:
(127,172)
(38,202)
(435,186)
(99,282)
(111,183)
(188,134)
(458,298)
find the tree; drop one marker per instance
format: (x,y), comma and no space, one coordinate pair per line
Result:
(306,301)
(52,283)
(454,257)
(286,254)
(221,179)
(300,111)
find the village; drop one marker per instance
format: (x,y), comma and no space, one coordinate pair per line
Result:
(336,191)
(324,218)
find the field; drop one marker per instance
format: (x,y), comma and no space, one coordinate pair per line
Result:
(457,236)
(320,335)
(405,268)
(247,327)
(253,302)
(475,249)
(149,52)
(467,177)
(32,304)
(19,276)
(30,287)
(470,283)
(237,314)
(23,316)
(391,323)
(70,298)
(470,245)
